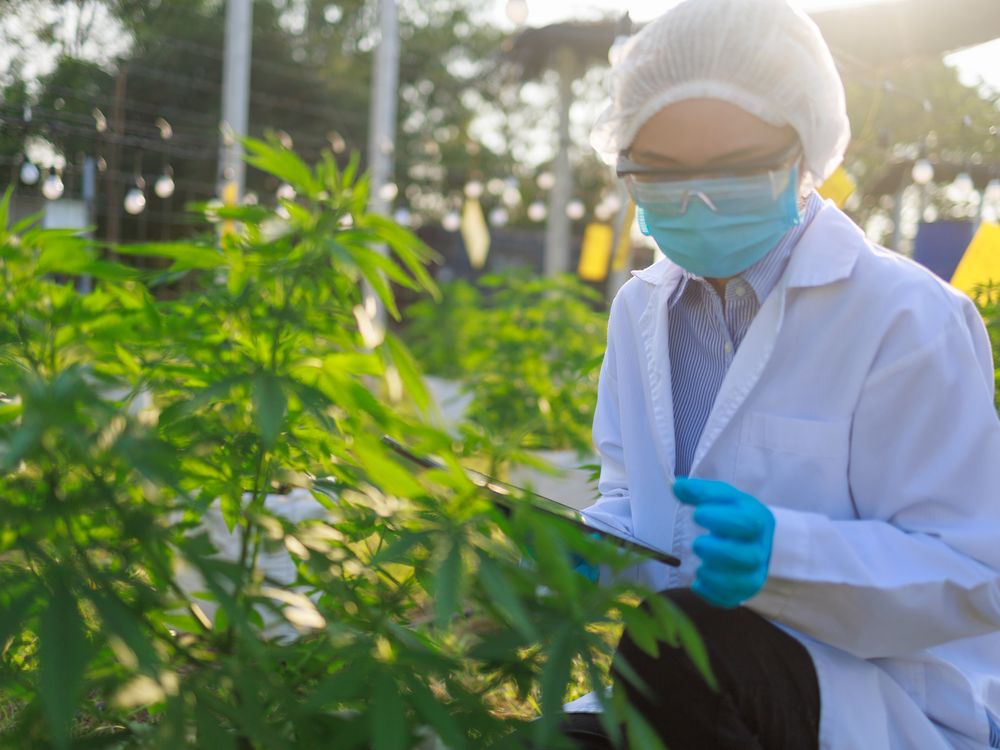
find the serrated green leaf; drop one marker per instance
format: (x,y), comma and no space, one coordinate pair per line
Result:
(270,406)
(640,733)
(436,714)
(409,372)
(641,628)
(496,585)
(553,683)
(5,208)
(281,163)
(554,561)
(63,653)
(121,622)
(447,583)
(387,715)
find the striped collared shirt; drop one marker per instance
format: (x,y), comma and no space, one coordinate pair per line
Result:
(705,331)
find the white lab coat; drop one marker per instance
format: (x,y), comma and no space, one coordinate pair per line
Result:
(859,408)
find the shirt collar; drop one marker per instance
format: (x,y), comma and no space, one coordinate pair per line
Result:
(763,275)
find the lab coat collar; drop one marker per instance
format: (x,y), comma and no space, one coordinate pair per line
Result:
(826,253)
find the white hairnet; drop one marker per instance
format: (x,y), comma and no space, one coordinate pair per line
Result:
(764,56)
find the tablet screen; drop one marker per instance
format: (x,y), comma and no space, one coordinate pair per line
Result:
(506,496)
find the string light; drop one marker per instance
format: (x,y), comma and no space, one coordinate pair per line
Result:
(164,185)
(511,197)
(166,132)
(495,186)
(285,192)
(451,222)
(923,172)
(546,181)
(537,211)
(621,39)
(388,192)
(576,210)
(29,173)
(337,142)
(499,217)
(517,12)
(52,188)
(474,189)
(135,198)
(963,187)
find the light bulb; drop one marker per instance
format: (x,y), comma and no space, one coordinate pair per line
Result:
(164,185)
(495,186)
(388,192)
(499,217)
(517,12)
(576,210)
(402,216)
(52,188)
(474,189)
(537,211)
(546,181)
(135,201)
(285,192)
(964,186)
(29,173)
(923,172)
(451,221)
(511,197)
(615,52)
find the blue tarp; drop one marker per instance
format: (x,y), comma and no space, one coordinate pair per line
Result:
(940,245)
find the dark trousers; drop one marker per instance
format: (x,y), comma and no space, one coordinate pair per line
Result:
(768,696)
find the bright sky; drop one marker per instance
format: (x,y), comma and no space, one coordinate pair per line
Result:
(982,62)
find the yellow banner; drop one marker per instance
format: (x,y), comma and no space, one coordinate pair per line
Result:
(596,252)
(475,233)
(980,265)
(838,187)
(624,250)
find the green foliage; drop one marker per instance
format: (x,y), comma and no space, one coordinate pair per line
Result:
(440,331)
(129,422)
(527,349)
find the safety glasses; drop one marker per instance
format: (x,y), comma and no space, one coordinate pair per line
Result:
(725,189)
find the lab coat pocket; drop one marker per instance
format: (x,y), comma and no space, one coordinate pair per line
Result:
(795,463)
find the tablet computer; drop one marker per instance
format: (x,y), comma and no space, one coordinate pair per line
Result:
(506,496)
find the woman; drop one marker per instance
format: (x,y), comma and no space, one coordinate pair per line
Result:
(804,418)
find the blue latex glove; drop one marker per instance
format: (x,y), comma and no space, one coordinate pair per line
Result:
(580,565)
(584,568)
(736,552)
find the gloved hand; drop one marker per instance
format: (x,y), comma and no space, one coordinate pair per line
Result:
(578,563)
(584,568)
(736,552)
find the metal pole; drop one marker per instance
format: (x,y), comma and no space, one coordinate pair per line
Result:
(382,128)
(86,282)
(557,233)
(235,94)
(114,192)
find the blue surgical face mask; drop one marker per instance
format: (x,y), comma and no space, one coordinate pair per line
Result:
(718,227)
